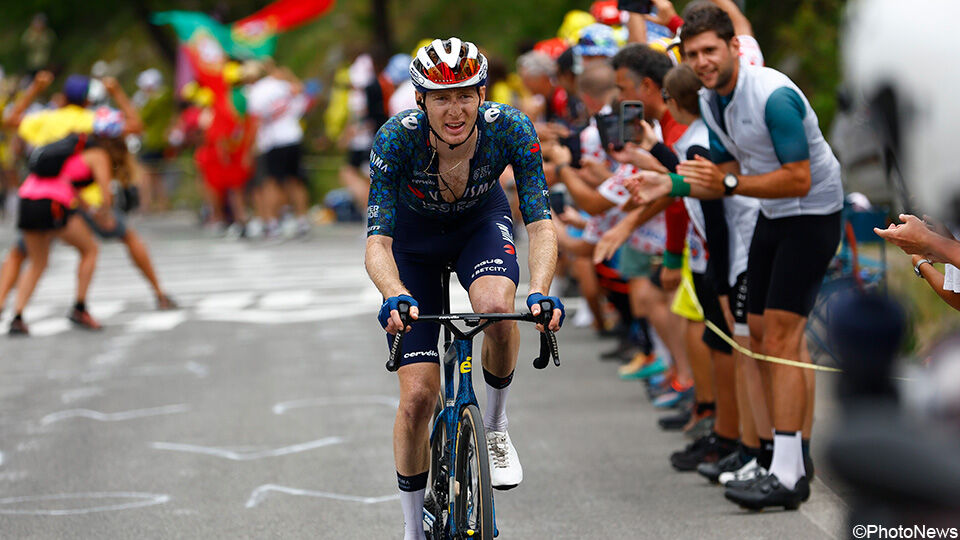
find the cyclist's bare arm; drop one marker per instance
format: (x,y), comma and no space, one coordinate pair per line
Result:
(543,261)
(382,270)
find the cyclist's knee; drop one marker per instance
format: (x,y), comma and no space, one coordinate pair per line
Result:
(417,402)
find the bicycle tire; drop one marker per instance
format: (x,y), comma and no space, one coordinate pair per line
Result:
(437,485)
(473,500)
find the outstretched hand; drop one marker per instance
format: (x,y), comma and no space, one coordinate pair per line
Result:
(648,186)
(912,236)
(700,171)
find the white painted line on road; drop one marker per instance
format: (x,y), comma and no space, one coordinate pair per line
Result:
(141,500)
(234,300)
(49,327)
(247,455)
(113,417)
(157,322)
(285,406)
(199,370)
(1,453)
(80,393)
(261,492)
(294,299)
(104,309)
(259,316)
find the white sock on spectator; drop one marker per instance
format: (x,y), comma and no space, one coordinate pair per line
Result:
(787,462)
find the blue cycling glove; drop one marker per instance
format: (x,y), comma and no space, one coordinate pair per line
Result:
(535,298)
(390,304)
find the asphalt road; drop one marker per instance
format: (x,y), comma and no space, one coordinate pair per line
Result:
(261,409)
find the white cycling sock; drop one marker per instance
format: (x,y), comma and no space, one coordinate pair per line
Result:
(495,416)
(412,503)
(787,462)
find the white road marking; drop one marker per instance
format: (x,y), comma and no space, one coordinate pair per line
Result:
(80,393)
(250,454)
(287,299)
(232,300)
(261,492)
(157,322)
(49,327)
(113,417)
(141,500)
(285,406)
(103,310)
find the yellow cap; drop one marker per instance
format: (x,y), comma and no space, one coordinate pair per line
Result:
(573,22)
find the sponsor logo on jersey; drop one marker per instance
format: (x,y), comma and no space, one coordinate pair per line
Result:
(509,249)
(486,262)
(378,162)
(491,114)
(419,194)
(535,148)
(373,212)
(415,354)
(410,122)
(480,172)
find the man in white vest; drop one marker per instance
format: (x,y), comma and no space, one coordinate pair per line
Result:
(765,142)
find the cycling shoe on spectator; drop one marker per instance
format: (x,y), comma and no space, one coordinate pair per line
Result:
(768,491)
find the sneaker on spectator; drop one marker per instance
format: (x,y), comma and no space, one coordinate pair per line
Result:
(303,227)
(674,396)
(288,227)
(699,427)
(83,319)
(18,327)
(255,228)
(675,422)
(634,365)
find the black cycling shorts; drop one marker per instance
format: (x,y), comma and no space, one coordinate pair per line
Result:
(478,244)
(737,298)
(283,163)
(42,215)
(710,303)
(788,260)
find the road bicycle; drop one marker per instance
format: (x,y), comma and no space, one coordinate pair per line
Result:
(459,501)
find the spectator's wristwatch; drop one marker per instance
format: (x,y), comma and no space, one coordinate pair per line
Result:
(916,267)
(730,183)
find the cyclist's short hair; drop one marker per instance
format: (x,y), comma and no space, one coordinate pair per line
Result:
(706,17)
(643,61)
(683,84)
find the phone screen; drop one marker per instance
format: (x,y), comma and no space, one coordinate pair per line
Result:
(634,6)
(631,114)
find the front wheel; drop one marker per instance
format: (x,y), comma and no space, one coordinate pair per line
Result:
(473,497)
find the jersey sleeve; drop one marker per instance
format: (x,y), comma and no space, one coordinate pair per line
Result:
(386,176)
(783,115)
(524,155)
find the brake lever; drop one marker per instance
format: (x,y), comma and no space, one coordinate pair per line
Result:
(548,340)
(404,309)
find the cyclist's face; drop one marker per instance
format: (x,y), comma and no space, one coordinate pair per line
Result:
(452,113)
(713,59)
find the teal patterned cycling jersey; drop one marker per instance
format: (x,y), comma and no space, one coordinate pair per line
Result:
(403,169)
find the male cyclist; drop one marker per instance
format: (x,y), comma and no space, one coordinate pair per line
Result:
(435,198)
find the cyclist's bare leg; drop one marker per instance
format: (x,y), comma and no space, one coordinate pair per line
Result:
(501,345)
(419,387)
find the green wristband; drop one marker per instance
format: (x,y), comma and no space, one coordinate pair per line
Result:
(680,187)
(672,260)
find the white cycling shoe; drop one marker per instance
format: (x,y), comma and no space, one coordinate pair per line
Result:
(505,469)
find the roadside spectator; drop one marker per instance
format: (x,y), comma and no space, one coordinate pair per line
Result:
(38,40)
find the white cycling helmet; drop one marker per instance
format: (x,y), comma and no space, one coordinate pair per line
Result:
(899,63)
(449,63)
